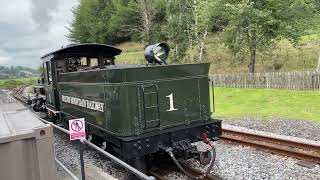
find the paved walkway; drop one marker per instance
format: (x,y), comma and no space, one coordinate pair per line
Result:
(14,117)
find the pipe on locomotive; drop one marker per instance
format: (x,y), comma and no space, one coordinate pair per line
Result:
(174,159)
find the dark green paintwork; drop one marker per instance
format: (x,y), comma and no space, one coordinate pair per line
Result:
(121,89)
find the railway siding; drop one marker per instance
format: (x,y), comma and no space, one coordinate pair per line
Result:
(290,146)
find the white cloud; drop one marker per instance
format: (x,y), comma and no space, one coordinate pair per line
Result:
(31,28)
(57,30)
(4,59)
(15,11)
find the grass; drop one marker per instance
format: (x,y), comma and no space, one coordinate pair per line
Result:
(131,58)
(132,53)
(13,83)
(267,103)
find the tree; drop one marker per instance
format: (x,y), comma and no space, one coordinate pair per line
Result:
(179,17)
(203,16)
(123,16)
(147,16)
(188,26)
(115,21)
(102,21)
(87,24)
(150,19)
(254,25)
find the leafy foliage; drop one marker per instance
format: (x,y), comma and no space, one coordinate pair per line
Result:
(254,24)
(102,21)
(115,21)
(246,26)
(178,29)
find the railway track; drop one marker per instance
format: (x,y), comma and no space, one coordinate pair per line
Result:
(195,172)
(17,93)
(277,144)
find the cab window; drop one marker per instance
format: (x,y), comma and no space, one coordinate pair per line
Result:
(45,73)
(83,61)
(49,74)
(93,62)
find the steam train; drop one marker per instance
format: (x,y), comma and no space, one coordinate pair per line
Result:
(137,112)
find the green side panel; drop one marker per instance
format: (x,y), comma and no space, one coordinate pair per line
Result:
(185,96)
(115,118)
(87,92)
(148,98)
(123,110)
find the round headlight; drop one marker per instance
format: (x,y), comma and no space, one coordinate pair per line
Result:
(157,53)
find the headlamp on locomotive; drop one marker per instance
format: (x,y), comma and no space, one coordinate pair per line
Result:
(157,53)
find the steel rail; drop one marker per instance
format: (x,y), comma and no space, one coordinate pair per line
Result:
(190,170)
(197,172)
(18,94)
(284,146)
(157,175)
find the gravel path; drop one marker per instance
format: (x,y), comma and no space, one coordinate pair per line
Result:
(288,127)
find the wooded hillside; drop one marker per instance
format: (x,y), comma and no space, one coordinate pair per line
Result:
(16,72)
(228,33)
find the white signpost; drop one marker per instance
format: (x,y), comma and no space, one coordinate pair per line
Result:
(77,129)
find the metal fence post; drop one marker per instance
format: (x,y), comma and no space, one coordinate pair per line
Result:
(83,175)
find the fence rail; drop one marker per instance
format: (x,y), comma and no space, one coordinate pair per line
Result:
(303,80)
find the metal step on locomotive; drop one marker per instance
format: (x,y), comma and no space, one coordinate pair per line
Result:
(137,112)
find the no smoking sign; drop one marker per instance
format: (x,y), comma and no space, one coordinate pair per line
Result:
(77,129)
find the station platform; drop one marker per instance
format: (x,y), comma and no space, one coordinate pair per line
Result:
(27,148)
(26,143)
(14,117)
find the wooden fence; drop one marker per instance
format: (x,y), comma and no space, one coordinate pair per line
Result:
(304,80)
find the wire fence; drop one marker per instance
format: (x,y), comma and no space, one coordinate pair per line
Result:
(300,80)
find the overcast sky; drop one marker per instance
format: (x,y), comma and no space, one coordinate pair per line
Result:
(31,28)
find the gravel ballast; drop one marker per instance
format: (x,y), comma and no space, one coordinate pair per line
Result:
(289,127)
(238,162)
(233,161)
(68,153)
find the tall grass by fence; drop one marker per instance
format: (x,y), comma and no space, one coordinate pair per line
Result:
(304,80)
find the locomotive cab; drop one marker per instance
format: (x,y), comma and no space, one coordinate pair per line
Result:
(73,58)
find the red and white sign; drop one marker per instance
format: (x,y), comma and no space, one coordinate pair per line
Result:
(77,129)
